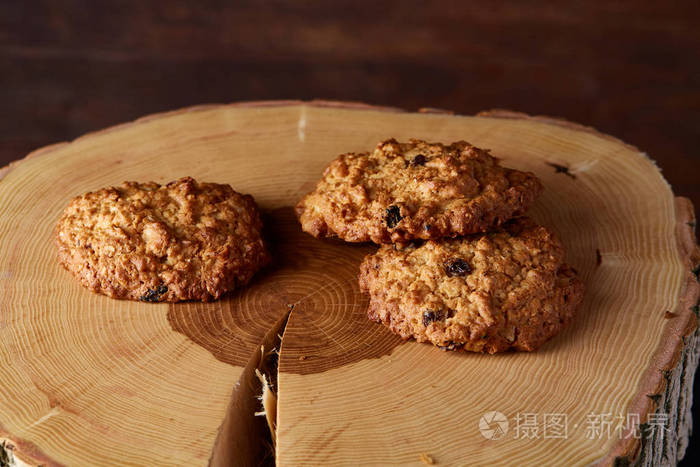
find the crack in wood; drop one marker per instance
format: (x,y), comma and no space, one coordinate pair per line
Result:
(559,168)
(245,438)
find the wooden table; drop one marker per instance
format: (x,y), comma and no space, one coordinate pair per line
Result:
(629,69)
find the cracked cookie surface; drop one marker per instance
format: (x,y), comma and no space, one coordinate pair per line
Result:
(416,190)
(509,289)
(144,241)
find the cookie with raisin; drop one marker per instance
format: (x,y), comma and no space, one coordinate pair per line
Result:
(416,190)
(162,243)
(507,289)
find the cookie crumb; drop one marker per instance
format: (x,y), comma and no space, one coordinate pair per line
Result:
(427,459)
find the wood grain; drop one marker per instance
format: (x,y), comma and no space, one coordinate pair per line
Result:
(97,381)
(368,391)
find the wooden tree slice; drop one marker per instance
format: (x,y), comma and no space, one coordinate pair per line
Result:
(91,380)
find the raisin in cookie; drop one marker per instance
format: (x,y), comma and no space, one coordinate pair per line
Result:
(415,190)
(509,289)
(143,241)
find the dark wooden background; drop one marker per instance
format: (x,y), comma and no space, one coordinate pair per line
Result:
(628,68)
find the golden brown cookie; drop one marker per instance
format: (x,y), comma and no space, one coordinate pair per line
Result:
(415,190)
(509,289)
(143,241)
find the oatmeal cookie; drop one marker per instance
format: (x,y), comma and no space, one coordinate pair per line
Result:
(415,190)
(143,241)
(509,289)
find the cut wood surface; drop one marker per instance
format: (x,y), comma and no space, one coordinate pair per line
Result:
(87,380)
